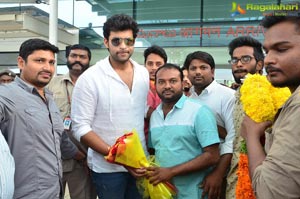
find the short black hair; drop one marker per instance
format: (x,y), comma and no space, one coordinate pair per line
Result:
(247,41)
(269,21)
(120,22)
(170,66)
(200,55)
(31,45)
(78,46)
(156,50)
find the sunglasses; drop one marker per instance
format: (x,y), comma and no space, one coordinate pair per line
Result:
(117,41)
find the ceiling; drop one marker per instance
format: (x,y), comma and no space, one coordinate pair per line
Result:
(17,24)
(24,1)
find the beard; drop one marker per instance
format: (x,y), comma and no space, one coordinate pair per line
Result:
(238,77)
(118,58)
(186,89)
(40,81)
(237,80)
(290,83)
(173,99)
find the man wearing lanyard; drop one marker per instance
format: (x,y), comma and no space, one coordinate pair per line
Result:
(75,171)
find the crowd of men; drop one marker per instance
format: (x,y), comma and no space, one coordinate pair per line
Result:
(56,130)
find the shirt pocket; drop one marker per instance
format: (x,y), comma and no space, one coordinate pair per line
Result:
(37,119)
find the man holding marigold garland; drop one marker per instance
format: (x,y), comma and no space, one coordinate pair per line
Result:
(276,173)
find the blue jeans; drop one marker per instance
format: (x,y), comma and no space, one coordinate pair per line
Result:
(119,185)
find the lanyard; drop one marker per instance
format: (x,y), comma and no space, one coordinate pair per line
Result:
(68,94)
(68,97)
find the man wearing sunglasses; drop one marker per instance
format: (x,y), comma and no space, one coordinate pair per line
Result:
(246,57)
(108,100)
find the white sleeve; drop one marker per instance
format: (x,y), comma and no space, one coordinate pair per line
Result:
(227,111)
(84,103)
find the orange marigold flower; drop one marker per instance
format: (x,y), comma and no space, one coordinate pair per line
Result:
(244,188)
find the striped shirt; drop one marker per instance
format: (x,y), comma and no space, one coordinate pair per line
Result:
(7,170)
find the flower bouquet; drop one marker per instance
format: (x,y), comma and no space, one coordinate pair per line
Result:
(261,102)
(128,151)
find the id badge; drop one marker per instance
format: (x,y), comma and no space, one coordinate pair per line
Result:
(67,123)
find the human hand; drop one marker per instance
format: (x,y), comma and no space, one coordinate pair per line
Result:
(137,173)
(158,174)
(79,156)
(250,128)
(212,186)
(235,85)
(222,132)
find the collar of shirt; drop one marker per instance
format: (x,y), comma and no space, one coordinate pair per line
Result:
(179,104)
(208,89)
(28,87)
(108,69)
(66,77)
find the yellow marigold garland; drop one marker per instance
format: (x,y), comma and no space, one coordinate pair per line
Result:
(279,96)
(260,102)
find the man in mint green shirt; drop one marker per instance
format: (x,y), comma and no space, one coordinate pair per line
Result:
(184,134)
